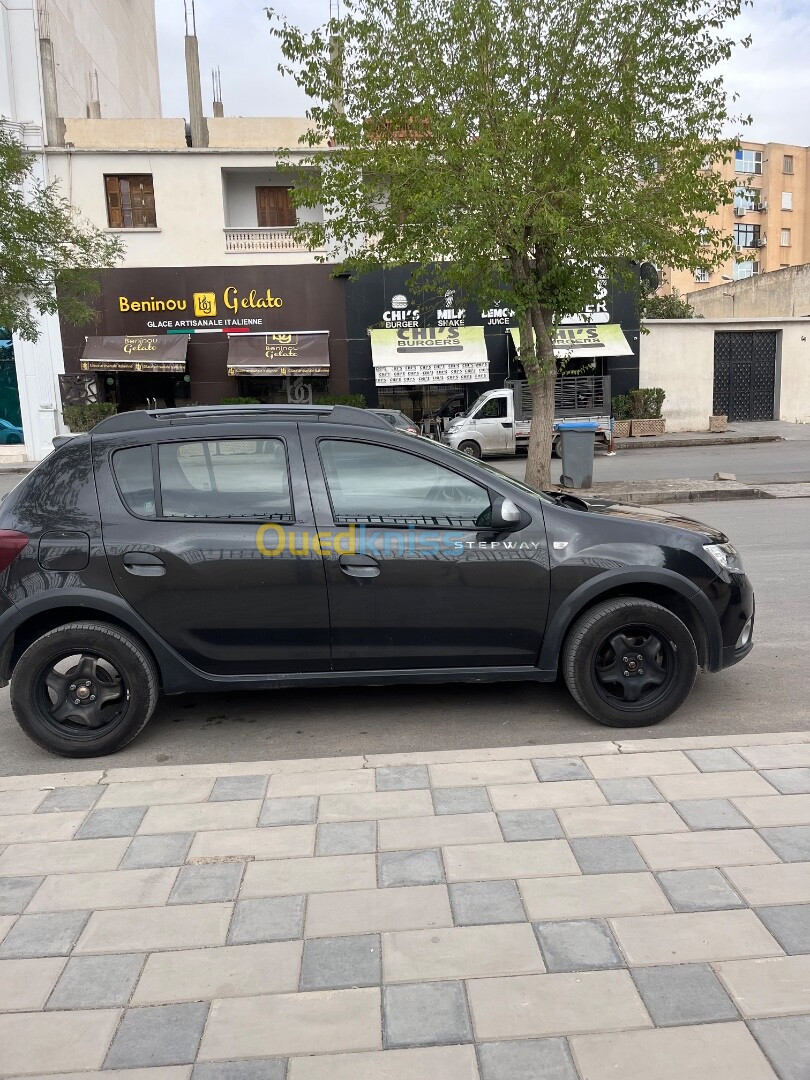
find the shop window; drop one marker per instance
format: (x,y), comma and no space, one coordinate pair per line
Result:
(225,478)
(787,164)
(274,208)
(746,236)
(130,202)
(133,473)
(748,161)
(378,485)
(787,200)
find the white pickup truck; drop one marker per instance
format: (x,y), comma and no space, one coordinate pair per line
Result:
(498,422)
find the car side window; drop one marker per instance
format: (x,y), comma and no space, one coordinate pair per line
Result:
(225,478)
(494,409)
(378,484)
(133,471)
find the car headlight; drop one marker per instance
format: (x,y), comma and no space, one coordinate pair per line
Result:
(726,556)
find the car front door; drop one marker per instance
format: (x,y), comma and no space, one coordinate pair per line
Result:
(493,425)
(415,577)
(208,541)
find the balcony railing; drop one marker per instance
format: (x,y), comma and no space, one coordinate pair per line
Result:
(262,240)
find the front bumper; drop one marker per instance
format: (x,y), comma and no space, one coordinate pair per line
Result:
(736,615)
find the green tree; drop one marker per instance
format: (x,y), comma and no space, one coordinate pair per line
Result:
(529,143)
(672,306)
(42,242)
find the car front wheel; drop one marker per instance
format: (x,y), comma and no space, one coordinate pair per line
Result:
(629,662)
(84,689)
(470,448)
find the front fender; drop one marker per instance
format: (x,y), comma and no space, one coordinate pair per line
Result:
(595,588)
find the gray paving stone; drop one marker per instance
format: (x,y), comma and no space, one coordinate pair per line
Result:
(422,867)
(785,1041)
(561,769)
(461,800)
(63,800)
(402,777)
(162,849)
(94,982)
(43,935)
(279,918)
(111,821)
(683,994)
(789,924)
(721,759)
(788,781)
(16,892)
(578,945)
(255,1069)
(526,1059)
(238,788)
(158,1035)
(208,883)
(296,810)
(710,814)
(698,890)
(425,1014)
(338,963)
(529,825)
(607,855)
(790,842)
(346,837)
(480,903)
(630,789)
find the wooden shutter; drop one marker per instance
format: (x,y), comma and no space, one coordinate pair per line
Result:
(115,217)
(142,201)
(274,208)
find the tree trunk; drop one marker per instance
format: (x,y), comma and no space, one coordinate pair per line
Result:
(542,376)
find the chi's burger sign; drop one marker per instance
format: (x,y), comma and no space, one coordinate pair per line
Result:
(231,307)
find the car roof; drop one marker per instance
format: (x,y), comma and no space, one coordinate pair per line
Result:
(153,419)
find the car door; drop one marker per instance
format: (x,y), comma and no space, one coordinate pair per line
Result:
(207,537)
(415,578)
(491,424)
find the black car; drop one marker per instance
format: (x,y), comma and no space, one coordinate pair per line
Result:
(276,546)
(397,420)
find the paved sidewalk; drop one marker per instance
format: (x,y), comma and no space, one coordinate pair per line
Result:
(634,909)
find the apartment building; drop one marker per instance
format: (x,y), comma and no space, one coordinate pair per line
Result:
(769,218)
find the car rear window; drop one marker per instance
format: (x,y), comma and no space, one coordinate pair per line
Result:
(133,471)
(225,478)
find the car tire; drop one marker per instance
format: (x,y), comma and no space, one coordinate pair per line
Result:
(659,665)
(13,440)
(555,449)
(470,448)
(111,662)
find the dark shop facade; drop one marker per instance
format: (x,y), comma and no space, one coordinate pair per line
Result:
(175,336)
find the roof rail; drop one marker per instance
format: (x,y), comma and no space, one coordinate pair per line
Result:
(146,419)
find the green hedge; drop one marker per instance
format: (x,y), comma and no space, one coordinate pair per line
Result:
(81,418)
(240,401)
(357,400)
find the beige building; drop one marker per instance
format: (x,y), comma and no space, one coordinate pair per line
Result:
(769,218)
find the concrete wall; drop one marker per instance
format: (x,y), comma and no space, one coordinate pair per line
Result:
(189,202)
(256,132)
(678,355)
(785,293)
(140,134)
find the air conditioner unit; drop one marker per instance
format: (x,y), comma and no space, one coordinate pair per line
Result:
(761,206)
(763,240)
(739,211)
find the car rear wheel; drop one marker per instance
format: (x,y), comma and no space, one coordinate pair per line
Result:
(470,448)
(84,689)
(629,662)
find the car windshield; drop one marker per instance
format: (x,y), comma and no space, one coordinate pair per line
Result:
(474,406)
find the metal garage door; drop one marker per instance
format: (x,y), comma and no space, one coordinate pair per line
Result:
(744,374)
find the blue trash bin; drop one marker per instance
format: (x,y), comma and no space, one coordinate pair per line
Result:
(576,450)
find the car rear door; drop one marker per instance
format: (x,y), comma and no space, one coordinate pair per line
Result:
(208,539)
(413,581)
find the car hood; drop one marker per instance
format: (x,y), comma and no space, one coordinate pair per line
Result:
(651,515)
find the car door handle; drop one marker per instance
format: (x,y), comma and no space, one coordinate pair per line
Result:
(506,423)
(359,566)
(144,564)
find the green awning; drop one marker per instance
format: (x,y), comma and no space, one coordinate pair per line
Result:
(605,339)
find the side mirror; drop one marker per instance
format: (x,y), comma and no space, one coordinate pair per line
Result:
(505,514)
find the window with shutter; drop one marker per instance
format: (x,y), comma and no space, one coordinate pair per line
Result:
(130,202)
(274,208)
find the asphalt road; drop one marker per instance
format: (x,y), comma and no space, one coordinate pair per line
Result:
(769,691)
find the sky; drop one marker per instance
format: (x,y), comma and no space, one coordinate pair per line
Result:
(772,77)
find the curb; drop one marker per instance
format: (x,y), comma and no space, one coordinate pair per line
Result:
(655,442)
